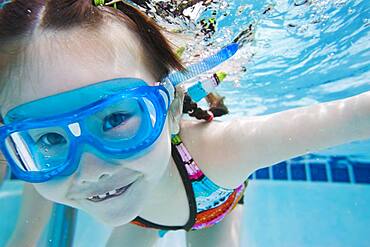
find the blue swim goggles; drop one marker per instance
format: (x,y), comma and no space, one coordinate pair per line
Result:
(123,121)
(119,119)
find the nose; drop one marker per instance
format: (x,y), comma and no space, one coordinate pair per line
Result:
(94,169)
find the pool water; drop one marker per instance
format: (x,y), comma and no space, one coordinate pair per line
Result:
(296,53)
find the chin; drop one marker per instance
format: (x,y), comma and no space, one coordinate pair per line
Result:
(116,218)
(117,211)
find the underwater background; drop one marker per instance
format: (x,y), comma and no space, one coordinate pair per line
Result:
(293,54)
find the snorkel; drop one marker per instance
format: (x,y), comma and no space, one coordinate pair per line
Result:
(203,66)
(178,77)
(204,88)
(200,90)
(119,118)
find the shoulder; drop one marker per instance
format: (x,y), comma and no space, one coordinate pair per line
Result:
(205,142)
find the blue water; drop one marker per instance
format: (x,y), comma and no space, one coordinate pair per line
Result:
(299,55)
(324,57)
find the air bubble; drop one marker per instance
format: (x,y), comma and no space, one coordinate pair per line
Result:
(237,84)
(240,10)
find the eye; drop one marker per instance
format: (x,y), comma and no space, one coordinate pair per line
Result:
(114,120)
(52,139)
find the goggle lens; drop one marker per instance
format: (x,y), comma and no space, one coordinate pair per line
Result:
(40,149)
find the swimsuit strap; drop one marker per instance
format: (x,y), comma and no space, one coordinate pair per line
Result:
(212,201)
(208,202)
(177,155)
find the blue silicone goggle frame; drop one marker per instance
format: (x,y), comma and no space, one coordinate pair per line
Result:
(152,93)
(69,167)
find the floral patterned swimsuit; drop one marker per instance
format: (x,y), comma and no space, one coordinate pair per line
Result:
(208,202)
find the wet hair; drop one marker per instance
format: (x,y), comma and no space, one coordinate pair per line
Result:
(20,19)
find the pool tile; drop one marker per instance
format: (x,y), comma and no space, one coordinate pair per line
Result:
(339,172)
(318,172)
(279,171)
(263,173)
(361,172)
(298,171)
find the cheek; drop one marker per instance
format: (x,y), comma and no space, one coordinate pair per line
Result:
(155,162)
(152,165)
(53,190)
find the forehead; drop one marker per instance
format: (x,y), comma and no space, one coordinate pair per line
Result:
(57,63)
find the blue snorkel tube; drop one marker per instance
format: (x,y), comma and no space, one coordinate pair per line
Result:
(207,64)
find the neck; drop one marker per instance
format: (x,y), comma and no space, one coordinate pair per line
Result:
(167,199)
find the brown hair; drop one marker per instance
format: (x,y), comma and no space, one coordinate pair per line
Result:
(20,18)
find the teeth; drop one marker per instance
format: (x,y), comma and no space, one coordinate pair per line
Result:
(102,196)
(109,194)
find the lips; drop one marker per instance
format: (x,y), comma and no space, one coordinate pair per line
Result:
(109,194)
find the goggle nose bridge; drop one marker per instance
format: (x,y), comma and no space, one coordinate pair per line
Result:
(89,147)
(75,129)
(85,139)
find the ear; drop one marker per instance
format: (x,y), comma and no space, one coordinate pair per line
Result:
(175,111)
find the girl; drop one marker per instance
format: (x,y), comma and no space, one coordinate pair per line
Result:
(87,124)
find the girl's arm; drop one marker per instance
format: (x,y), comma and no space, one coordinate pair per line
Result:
(228,152)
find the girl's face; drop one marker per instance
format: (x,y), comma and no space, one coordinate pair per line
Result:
(95,175)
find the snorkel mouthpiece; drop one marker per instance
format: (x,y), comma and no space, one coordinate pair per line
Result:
(201,89)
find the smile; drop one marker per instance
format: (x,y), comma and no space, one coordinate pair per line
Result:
(109,194)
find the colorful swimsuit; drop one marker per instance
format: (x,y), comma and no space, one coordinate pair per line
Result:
(208,203)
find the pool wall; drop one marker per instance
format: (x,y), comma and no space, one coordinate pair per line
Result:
(309,201)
